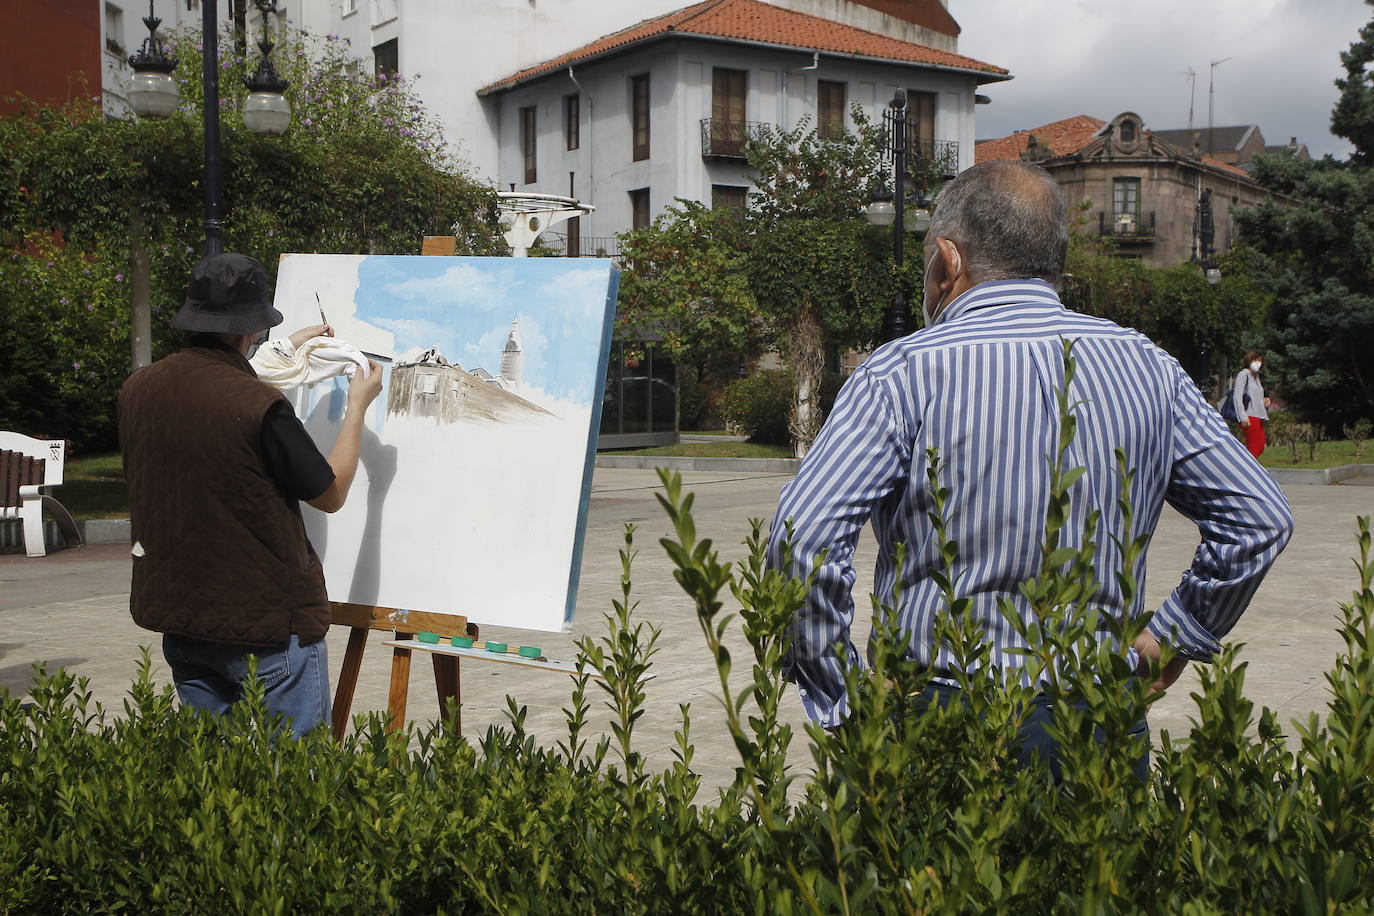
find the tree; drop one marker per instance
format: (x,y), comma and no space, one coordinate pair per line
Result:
(115,206)
(799,269)
(1317,259)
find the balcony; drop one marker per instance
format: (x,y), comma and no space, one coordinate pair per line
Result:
(944,154)
(587,246)
(724,140)
(1128,227)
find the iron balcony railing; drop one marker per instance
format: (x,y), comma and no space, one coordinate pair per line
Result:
(587,246)
(1133,226)
(943,153)
(721,139)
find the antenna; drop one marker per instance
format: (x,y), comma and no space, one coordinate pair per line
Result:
(1211,83)
(1191,76)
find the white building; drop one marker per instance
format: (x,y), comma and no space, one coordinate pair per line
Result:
(542,94)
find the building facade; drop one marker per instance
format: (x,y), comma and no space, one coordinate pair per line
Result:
(661,111)
(59,58)
(1135,188)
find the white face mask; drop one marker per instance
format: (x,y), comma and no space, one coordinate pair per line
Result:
(1255,366)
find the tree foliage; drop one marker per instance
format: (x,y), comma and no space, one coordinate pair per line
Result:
(1317,259)
(362,169)
(799,270)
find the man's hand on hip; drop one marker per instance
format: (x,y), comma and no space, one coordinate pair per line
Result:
(1148,648)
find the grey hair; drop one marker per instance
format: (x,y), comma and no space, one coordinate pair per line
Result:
(1009,219)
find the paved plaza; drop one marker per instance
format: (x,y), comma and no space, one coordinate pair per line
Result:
(70,609)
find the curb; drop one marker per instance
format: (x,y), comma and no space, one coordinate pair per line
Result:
(93,531)
(1320,476)
(751,465)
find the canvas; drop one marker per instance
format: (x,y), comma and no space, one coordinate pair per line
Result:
(476,462)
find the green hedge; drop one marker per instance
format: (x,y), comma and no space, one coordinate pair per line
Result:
(760,404)
(162,811)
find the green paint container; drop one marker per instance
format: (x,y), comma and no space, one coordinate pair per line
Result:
(462,642)
(427,637)
(529,652)
(498,647)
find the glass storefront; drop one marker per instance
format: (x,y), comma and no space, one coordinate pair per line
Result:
(640,406)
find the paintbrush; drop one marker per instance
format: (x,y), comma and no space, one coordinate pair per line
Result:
(323,320)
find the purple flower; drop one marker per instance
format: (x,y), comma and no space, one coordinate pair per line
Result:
(64,300)
(119,278)
(89,307)
(387,121)
(307,122)
(76,365)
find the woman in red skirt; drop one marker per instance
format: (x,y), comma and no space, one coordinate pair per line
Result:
(1248,395)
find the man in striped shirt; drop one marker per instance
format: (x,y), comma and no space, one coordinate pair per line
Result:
(979,384)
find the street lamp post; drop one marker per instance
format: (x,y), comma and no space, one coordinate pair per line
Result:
(1207,236)
(890,209)
(154,95)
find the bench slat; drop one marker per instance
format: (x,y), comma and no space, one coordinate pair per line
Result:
(18,470)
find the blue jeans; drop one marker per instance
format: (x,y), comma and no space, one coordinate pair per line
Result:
(210,676)
(1036,741)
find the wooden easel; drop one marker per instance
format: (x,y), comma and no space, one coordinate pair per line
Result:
(361,619)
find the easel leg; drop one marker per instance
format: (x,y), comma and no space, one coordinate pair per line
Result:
(447,680)
(348,679)
(400,685)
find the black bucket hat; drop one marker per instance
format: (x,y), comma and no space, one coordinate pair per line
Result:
(227,295)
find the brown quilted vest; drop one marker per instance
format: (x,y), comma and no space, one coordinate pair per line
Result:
(219,553)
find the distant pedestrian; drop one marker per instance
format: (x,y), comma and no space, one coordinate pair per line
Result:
(1247,394)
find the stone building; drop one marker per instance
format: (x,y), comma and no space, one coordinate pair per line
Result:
(1137,189)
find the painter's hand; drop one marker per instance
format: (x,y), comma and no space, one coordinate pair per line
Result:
(315,330)
(1147,647)
(363,391)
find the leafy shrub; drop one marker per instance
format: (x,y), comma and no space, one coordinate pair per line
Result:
(759,405)
(1358,433)
(912,808)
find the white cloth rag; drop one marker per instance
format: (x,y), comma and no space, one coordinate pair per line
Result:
(284,366)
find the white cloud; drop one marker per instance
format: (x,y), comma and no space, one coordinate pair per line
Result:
(1102,57)
(460,286)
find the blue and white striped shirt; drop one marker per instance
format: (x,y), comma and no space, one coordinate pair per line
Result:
(980,386)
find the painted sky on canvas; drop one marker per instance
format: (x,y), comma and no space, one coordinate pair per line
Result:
(466,308)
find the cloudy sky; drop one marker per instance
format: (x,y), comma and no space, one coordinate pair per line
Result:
(1102,57)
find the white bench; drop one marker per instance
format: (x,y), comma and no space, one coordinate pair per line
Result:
(28,467)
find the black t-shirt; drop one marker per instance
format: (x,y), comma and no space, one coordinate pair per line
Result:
(290,457)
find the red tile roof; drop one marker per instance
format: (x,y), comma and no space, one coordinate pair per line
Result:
(1063,137)
(1226,167)
(758,22)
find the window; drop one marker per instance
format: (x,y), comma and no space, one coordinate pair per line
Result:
(350,7)
(571,120)
(830,109)
(920,117)
(573,247)
(386,58)
(639,208)
(639,116)
(1126,197)
(724,195)
(728,91)
(114,30)
(1128,131)
(529,143)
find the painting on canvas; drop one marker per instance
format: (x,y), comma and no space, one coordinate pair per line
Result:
(476,461)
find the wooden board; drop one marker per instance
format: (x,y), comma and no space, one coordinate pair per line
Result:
(558,665)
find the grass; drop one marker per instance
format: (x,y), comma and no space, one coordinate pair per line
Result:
(1329,455)
(705,432)
(93,487)
(711,450)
